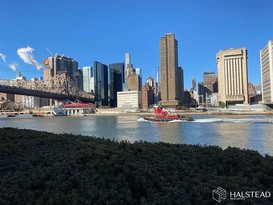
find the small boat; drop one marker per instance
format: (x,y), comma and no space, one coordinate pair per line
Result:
(11,115)
(59,112)
(37,115)
(163,116)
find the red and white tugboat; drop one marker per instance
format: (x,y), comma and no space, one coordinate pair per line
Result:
(160,115)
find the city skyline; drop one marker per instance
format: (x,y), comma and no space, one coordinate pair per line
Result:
(84,33)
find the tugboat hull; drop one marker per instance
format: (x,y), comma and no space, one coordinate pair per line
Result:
(155,119)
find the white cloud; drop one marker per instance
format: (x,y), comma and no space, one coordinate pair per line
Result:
(13,66)
(27,56)
(3,57)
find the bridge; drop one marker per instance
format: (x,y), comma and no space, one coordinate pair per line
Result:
(60,87)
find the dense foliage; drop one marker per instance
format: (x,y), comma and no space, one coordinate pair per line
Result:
(45,168)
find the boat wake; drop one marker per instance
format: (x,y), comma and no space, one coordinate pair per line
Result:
(179,121)
(242,120)
(142,120)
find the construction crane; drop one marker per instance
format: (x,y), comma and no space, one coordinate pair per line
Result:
(49,51)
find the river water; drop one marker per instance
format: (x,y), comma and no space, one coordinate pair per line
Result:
(253,132)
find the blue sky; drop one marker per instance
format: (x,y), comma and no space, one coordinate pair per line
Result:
(105,30)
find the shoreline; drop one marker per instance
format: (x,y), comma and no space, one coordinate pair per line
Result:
(141,113)
(116,111)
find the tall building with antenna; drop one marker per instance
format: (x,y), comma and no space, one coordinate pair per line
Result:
(60,64)
(127,59)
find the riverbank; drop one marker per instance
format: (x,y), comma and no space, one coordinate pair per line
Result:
(192,111)
(119,111)
(45,168)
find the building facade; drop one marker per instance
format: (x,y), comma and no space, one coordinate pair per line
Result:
(129,69)
(147,96)
(127,59)
(79,79)
(193,82)
(232,76)
(133,82)
(210,82)
(31,101)
(129,99)
(61,64)
(57,63)
(116,81)
(6,97)
(88,73)
(150,81)
(139,72)
(266,64)
(170,89)
(101,84)
(180,85)
(209,86)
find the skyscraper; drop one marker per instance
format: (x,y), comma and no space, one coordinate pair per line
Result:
(232,76)
(129,69)
(59,64)
(157,87)
(147,96)
(127,59)
(210,85)
(133,82)
(116,81)
(266,64)
(138,72)
(171,75)
(180,85)
(101,84)
(210,82)
(79,78)
(87,75)
(193,83)
(150,81)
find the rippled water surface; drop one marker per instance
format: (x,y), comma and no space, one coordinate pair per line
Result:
(248,132)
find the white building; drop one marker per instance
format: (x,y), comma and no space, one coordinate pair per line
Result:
(31,101)
(266,64)
(214,100)
(88,79)
(127,59)
(129,99)
(232,76)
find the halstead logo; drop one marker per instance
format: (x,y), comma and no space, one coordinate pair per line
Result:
(219,194)
(249,194)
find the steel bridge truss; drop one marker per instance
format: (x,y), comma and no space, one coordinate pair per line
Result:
(59,87)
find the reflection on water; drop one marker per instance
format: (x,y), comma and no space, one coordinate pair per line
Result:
(167,132)
(247,132)
(233,134)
